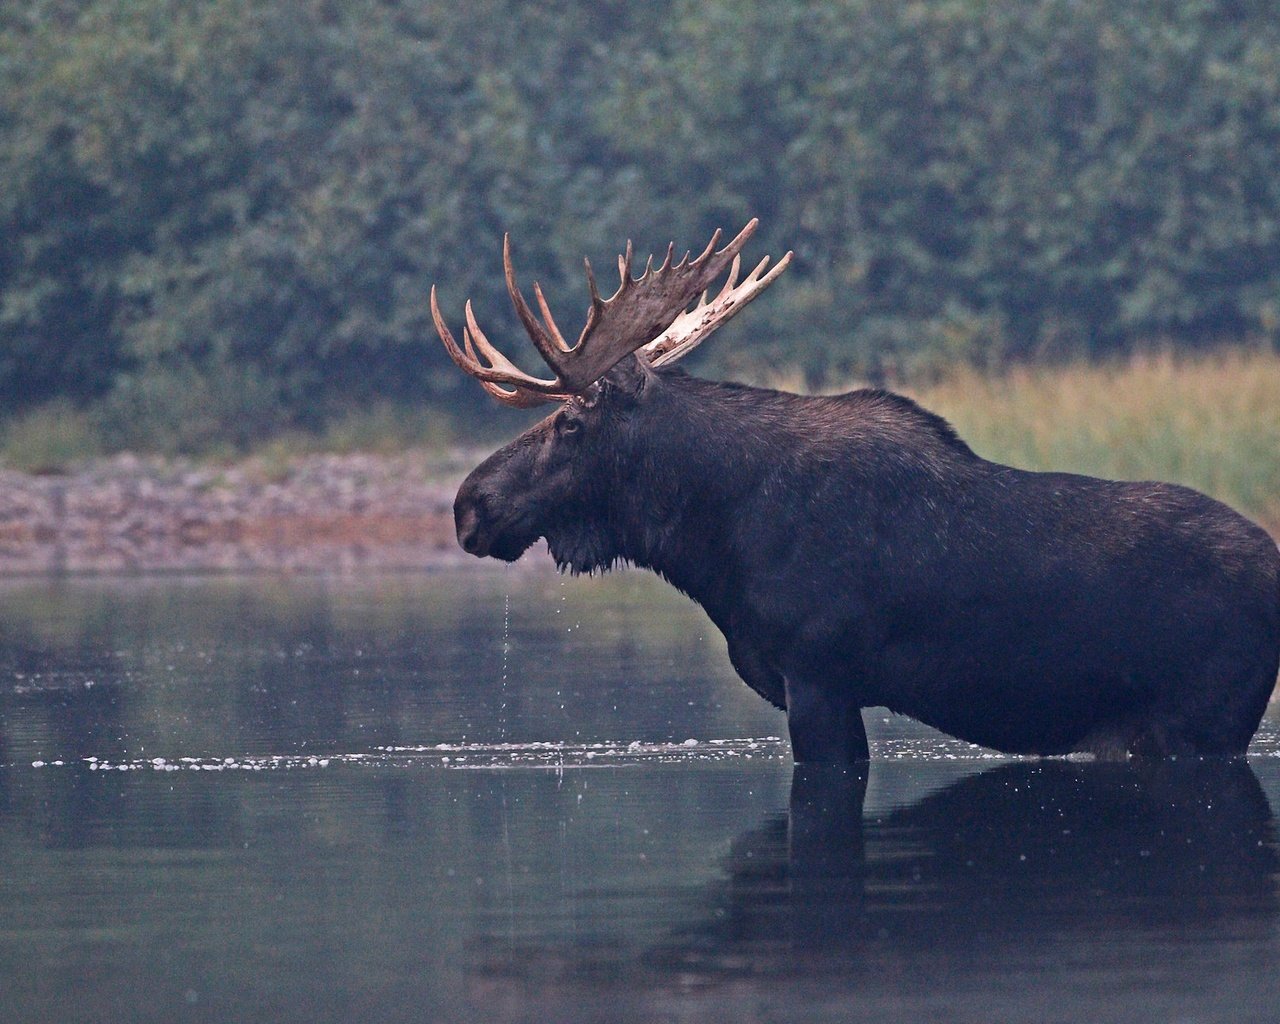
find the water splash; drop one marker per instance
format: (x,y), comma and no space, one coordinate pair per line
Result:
(506,655)
(560,755)
(554,756)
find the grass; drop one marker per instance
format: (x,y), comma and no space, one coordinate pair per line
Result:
(58,437)
(1211,421)
(48,439)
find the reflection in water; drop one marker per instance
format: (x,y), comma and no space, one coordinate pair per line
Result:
(1003,857)
(1101,892)
(1035,891)
(248,807)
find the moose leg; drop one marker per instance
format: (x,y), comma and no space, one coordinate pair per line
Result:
(824,730)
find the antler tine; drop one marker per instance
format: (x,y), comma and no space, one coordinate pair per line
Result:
(547,346)
(711,247)
(550,321)
(732,279)
(596,301)
(624,270)
(476,341)
(466,364)
(742,237)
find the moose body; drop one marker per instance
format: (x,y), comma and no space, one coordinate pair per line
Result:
(855,552)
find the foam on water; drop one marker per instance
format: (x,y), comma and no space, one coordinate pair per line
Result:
(902,745)
(551,755)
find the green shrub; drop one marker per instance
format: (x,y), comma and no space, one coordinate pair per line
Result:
(275,185)
(183,410)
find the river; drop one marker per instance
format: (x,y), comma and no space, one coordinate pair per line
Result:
(503,795)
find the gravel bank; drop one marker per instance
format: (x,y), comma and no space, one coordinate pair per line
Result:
(319,513)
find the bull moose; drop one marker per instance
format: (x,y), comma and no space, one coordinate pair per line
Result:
(855,552)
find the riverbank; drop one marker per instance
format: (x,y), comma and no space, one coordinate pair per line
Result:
(1211,422)
(313,513)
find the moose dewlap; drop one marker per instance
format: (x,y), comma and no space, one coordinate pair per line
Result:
(855,552)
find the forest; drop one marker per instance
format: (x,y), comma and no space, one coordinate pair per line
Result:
(222,220)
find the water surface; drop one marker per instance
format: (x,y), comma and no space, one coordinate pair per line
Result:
(511,797)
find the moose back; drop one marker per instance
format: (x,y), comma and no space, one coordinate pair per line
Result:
(855,552)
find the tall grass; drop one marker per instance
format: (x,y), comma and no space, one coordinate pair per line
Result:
(1211,421)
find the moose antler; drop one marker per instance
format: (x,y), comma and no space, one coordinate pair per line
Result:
(690,328)
(648,314)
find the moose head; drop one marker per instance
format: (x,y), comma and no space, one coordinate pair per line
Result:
(559,479)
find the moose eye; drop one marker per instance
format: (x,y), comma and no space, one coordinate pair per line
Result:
(568,426)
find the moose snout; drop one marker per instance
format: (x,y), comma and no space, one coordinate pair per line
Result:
(476,514)
(487,526)
(466,520)
(468,525)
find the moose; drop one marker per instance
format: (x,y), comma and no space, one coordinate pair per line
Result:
(855,552)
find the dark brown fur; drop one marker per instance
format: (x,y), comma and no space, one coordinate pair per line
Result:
(855,552)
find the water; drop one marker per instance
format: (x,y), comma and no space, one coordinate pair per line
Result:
(507,797)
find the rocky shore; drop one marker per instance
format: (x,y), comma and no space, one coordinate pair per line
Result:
(316,513)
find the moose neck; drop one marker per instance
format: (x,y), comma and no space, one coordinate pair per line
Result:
(692,465)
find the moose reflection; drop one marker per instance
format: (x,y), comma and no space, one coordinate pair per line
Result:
(994,861)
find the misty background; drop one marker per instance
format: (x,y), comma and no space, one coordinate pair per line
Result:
(222,220)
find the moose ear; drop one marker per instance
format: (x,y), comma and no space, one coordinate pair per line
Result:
(630,377)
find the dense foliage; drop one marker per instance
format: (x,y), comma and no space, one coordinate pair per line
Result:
(223,218)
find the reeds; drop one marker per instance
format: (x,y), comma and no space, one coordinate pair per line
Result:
(1209,421)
